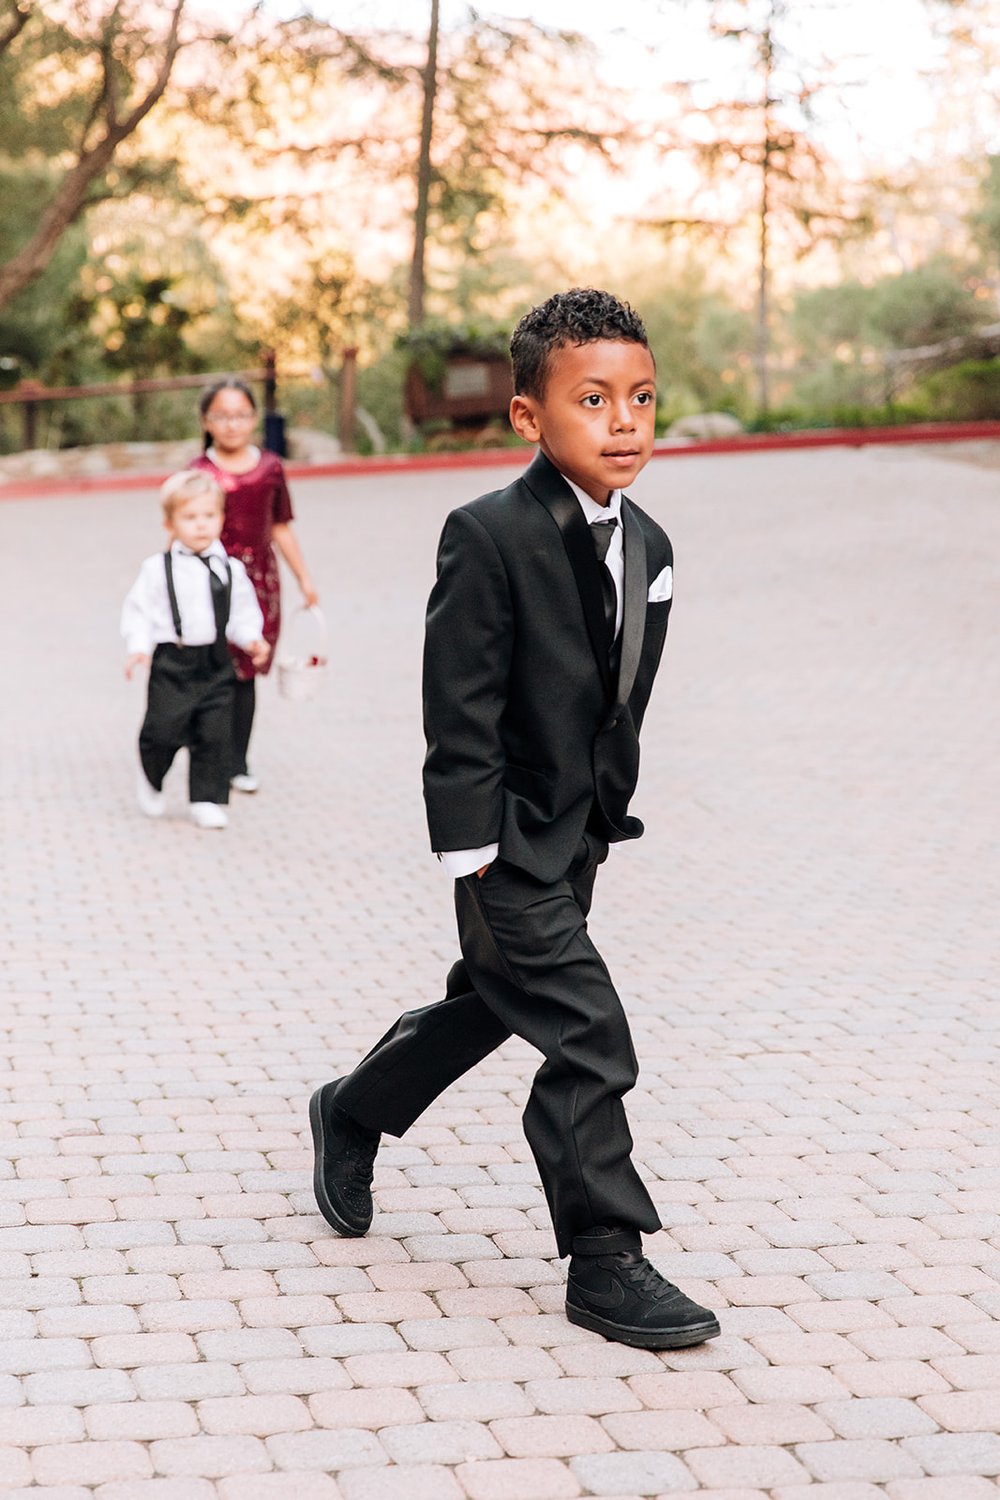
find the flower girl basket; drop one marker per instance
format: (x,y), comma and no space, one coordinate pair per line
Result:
(305,652)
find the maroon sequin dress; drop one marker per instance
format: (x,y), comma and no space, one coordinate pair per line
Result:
(255,502)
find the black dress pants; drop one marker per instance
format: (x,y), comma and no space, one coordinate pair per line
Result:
(244,703)
(189,702)
(528,967)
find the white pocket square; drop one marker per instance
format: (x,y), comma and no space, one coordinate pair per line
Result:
(662,587)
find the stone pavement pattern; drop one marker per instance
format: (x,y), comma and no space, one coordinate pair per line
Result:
(806,940)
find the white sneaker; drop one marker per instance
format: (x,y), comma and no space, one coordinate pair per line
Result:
(208,815)
(244,782)
(151,802)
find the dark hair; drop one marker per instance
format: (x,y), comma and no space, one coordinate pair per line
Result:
(581,316)
(208,395)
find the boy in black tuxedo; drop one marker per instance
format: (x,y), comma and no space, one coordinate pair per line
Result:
(544,632)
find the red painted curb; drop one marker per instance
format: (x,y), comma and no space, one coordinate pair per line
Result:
(494,458)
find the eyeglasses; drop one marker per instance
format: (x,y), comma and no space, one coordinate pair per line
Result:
(230,419)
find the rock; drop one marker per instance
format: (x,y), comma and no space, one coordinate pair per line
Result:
(704,427)
(307,445)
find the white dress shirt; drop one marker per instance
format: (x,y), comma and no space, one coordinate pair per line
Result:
(146,618)
(459,862)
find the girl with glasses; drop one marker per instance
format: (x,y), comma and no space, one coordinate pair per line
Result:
(258,520)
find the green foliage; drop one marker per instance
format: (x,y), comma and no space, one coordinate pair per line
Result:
(924,306)
(985,221)
(380,392)
(820,419)
(38,332)
(332,307)
(918,307)
(138,286)
(141,323)
(968,392)
(702,344)
(70,79)
(429,348)
(844,334)
(827,316)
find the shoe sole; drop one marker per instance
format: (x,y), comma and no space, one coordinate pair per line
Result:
(644,1338)
(323,1200)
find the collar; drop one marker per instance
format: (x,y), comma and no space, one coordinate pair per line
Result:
(215,549)
(213,458)
(594,512)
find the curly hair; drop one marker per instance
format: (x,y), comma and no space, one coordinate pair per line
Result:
(580,316)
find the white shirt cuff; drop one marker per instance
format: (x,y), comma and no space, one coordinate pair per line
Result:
(459,862)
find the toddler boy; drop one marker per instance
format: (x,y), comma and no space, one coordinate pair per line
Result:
(178,616)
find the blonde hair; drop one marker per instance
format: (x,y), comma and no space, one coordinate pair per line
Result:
(187,485)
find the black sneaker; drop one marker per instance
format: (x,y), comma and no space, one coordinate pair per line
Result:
(345,1161)
(613,1290)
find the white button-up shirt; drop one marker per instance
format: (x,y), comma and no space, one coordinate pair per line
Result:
(146,618)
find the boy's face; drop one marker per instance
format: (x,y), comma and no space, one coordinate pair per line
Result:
(596,419)
(197,522)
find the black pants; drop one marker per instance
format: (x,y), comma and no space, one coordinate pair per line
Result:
(244,703)
(529,967)
(190,702)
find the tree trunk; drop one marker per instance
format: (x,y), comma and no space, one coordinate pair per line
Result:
(417,277)
(763,344)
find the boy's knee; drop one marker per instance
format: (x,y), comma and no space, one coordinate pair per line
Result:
(604,1047)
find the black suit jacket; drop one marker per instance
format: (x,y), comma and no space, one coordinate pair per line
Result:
(530,736)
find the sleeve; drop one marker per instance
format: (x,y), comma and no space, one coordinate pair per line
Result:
(458,862)
(136,620)
(467,651)
(281,500)
(246,623)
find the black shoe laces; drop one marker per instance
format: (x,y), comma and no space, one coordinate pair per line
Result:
(360,1155)
(646,1279)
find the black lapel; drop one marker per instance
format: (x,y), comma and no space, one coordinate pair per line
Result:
(634,614)
(550,488)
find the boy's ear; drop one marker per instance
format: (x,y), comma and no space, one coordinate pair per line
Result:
(524,419)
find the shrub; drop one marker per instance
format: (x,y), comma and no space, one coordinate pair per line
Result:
(968,392)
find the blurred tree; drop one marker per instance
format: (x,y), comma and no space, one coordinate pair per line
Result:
(925,306)
(461,117)
(329,307)
(514,101)
(37,334)
(140,322)
(767,133)
(418,272)
(985,221)
(861,345)
(702,344)
(76,81)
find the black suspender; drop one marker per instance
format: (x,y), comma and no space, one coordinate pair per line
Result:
(175,612)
